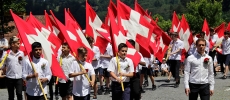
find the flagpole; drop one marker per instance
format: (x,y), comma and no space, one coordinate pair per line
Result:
(168,52)
(3,60)
(119,71)
(82,68)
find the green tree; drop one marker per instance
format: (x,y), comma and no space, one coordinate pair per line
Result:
(198,10)
(18,6)
(163,24)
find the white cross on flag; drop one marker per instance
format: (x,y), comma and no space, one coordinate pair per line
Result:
(175,23)
(117,37)
(30,34)
(94,28)
(136,26)
(205,29)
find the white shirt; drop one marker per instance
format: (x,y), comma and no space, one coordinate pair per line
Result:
(14,65)
(3,42)
(97,53)
(81,86)
(42,67)
(104,62)
(214,38)
(139,67)
(197,72)
(164,66)
(126,66)
(155,66)
(66,64)
(226,46)
(148,61)
(175,46)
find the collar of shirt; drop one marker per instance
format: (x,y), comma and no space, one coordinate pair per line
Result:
(66,56)
(35,60)
(123,60)
(198,54)
(83,63)
(15,54)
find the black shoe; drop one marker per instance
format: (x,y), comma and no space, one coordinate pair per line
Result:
(154,87)
(142,91)
(107,91)
(167,81)
(102,88)
(146,84)
(99,92)
(224,77)
(176,85)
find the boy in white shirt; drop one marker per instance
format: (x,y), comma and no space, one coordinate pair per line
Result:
(164,67)
(66,87)
(226,52)
(81,86)
(43,73)
(155,67)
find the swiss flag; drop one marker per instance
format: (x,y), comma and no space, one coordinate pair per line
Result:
(113,7)
(52,26)
(55,42)
(205,29)
(163,47)
(117,37)
(228,27)
(220,32)
(185,34)
(96,29)
(29,34)
(175,23)
(74,27)
(136,27)
(154,40)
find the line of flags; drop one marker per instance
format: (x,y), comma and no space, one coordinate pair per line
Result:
(121,23)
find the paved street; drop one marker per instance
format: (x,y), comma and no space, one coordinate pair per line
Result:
(165,91)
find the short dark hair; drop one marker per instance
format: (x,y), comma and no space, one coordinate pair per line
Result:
(132,42)
(82,50)
(211,30)
(200,39)
(65,44)
(122,45)
(202,33)
(36,45)
(227,32)
(90,39)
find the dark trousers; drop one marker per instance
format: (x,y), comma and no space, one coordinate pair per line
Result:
(14,84)
(135,87)
(212,54)
(118,94)
(51,87)
(174,68)
(202,89)
(87,97)
(35,97)
(221,59)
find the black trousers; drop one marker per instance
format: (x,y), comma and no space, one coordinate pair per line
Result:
(135,87)
(51,82)
(35,97)
(87,97)
(202,89)
(174,68)
(221,59)
(118,94)
(212,54)
(14,84)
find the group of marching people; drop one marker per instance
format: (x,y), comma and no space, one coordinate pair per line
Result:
(118,73)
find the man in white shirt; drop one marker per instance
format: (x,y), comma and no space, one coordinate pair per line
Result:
(66,59)
(14,64)
(81,86)
(95,63)
(226,52)
(126,72)
(104,63)
(3,41)
(198,73)
(175,57)
(40,70)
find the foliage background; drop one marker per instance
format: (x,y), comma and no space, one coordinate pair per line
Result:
(215,11)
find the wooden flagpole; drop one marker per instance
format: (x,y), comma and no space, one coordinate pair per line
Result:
(119,70)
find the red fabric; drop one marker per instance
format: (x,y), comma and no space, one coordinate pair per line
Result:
(175,23)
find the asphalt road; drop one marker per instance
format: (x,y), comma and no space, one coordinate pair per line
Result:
(166,91)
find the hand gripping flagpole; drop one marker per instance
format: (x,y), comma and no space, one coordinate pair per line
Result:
(119,70)
(3,60)
(60,62)
(168,52)
(216,46)
(82,68)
